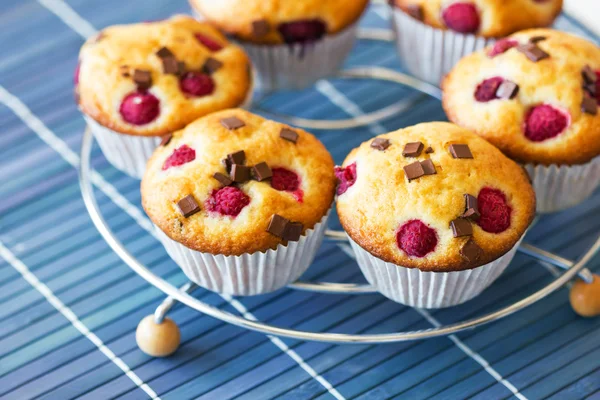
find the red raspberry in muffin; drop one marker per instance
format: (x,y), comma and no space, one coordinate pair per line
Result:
(346,177)
(416,239)
(209,42)
(304,31)
(494,210)
(227,201)
(501,46)
(140,108)
(461,17)
(180,156)
(544,122)
(486,90)
(197,84)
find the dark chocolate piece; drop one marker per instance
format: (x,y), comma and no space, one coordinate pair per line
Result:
(239,173)
(227,163)
(460,151)
(166,139)
(262,171)
(232,123)
(289,135)
(223,179)
(535,39)
(590,88)
(415,11)
(239,157)
(589,105)
(507,90)
(142,78)
(277,225)
(533,52)
(428,150)
(188,206)
(260,28)
(211,65)
(163,52)
(461,227)
(413,149)
(292,231)
(380,144)
(471,209)
(171,66)
(414,171)
(471,251)
(428,167)
(589,76)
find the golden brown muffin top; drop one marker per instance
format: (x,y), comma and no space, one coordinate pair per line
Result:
(401,211)
(233,218)
(199,72)
(489,18)
(261,21)
(551,117)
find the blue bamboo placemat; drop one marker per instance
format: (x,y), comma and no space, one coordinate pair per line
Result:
(69,306)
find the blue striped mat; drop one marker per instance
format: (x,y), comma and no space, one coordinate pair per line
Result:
(69,306)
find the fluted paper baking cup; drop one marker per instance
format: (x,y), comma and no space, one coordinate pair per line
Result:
(558,187)
(416,288)
(127,153)
(430,53)
(248,274)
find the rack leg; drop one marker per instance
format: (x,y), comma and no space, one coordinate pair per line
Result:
(157,335)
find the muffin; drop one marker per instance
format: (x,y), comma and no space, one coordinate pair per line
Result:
(534,95)
(434,213)
(240,202)
(292,44)
(137,83)
(433,35)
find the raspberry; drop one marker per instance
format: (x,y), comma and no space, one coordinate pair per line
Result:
(461,17)
(180,156)
(544,122)
(495,212)
(139,108)
(502,46)
(346,176)
(416,238)
(76,74)
(486,90)
(303,31)
(228,200)
(598,86)
(208,42)
(197,84)
(288,181)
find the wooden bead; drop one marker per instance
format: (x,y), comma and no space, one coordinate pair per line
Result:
(157,340)
(585,297)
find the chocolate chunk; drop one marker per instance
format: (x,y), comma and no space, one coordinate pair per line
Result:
(277,225)
(171,66)
(260,28)
(471,209)
(460,151)
(471,251)
(222,178)
(163,52)
(415,11)
(142,78)
(589,76)
(240,173)
(428,167)
(239,157)
(461,227)
(232,123)
(380,144)
(413,149)
(227,163)
(166,140)
(289,135)
(414,171)
(590,88)
(292,231)
(211,65)
(535,39)
(533,52)
(428,150)
(181,67)
(589,105)
(261,172)
(188,206)
(507,90)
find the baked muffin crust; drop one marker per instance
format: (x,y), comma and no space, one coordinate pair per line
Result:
(555,81)
(381,201)
(497,18)
(237,16)
(211,232)
(108,62)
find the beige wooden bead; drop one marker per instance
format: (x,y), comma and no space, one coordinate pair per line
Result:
(157,340)
(585,297)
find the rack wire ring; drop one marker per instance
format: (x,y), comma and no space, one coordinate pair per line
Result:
(183,297)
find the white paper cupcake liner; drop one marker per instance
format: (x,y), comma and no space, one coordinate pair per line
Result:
(248,274)
(127,153)
(429,53)
(558,187)
(416,288)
